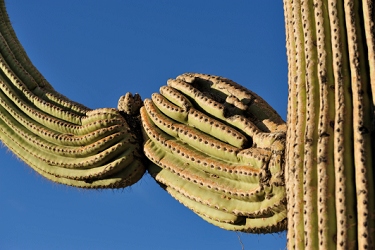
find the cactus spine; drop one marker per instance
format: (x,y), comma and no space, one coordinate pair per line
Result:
(329,174)
(60,139)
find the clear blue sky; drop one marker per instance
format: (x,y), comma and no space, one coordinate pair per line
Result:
(95,51)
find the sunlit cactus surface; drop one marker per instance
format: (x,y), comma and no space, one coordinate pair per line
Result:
(217,147)
(60,139)
(219,150)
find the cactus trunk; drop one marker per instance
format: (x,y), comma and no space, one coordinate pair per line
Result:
(330,137)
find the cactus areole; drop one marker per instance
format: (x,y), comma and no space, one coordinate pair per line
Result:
(217,147)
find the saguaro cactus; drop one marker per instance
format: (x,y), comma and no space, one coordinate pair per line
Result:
(217,147)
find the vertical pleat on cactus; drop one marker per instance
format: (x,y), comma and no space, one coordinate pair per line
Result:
(329,173)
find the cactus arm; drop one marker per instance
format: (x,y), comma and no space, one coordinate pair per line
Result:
(61,139)
(239,97)
(226,213)
(192,156)
(227,181)
(101,178)
(240,188)
(195,137)
(27,72)
(199,120)
(25,77)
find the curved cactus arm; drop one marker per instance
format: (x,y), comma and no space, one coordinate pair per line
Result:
(227,213)
(216,154)
(329,170)
(254,205)
(18,60)
(243,188)
(61,139)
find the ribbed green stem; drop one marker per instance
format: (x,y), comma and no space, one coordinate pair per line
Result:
(296,127)
(325,147)
(62,140)
(23,66)
(332,125)
(230,214)
(216,153)
(363,118)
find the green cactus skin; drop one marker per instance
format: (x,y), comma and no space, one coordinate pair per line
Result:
(330,139)
(222,211)
(218,149)
(60,139)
